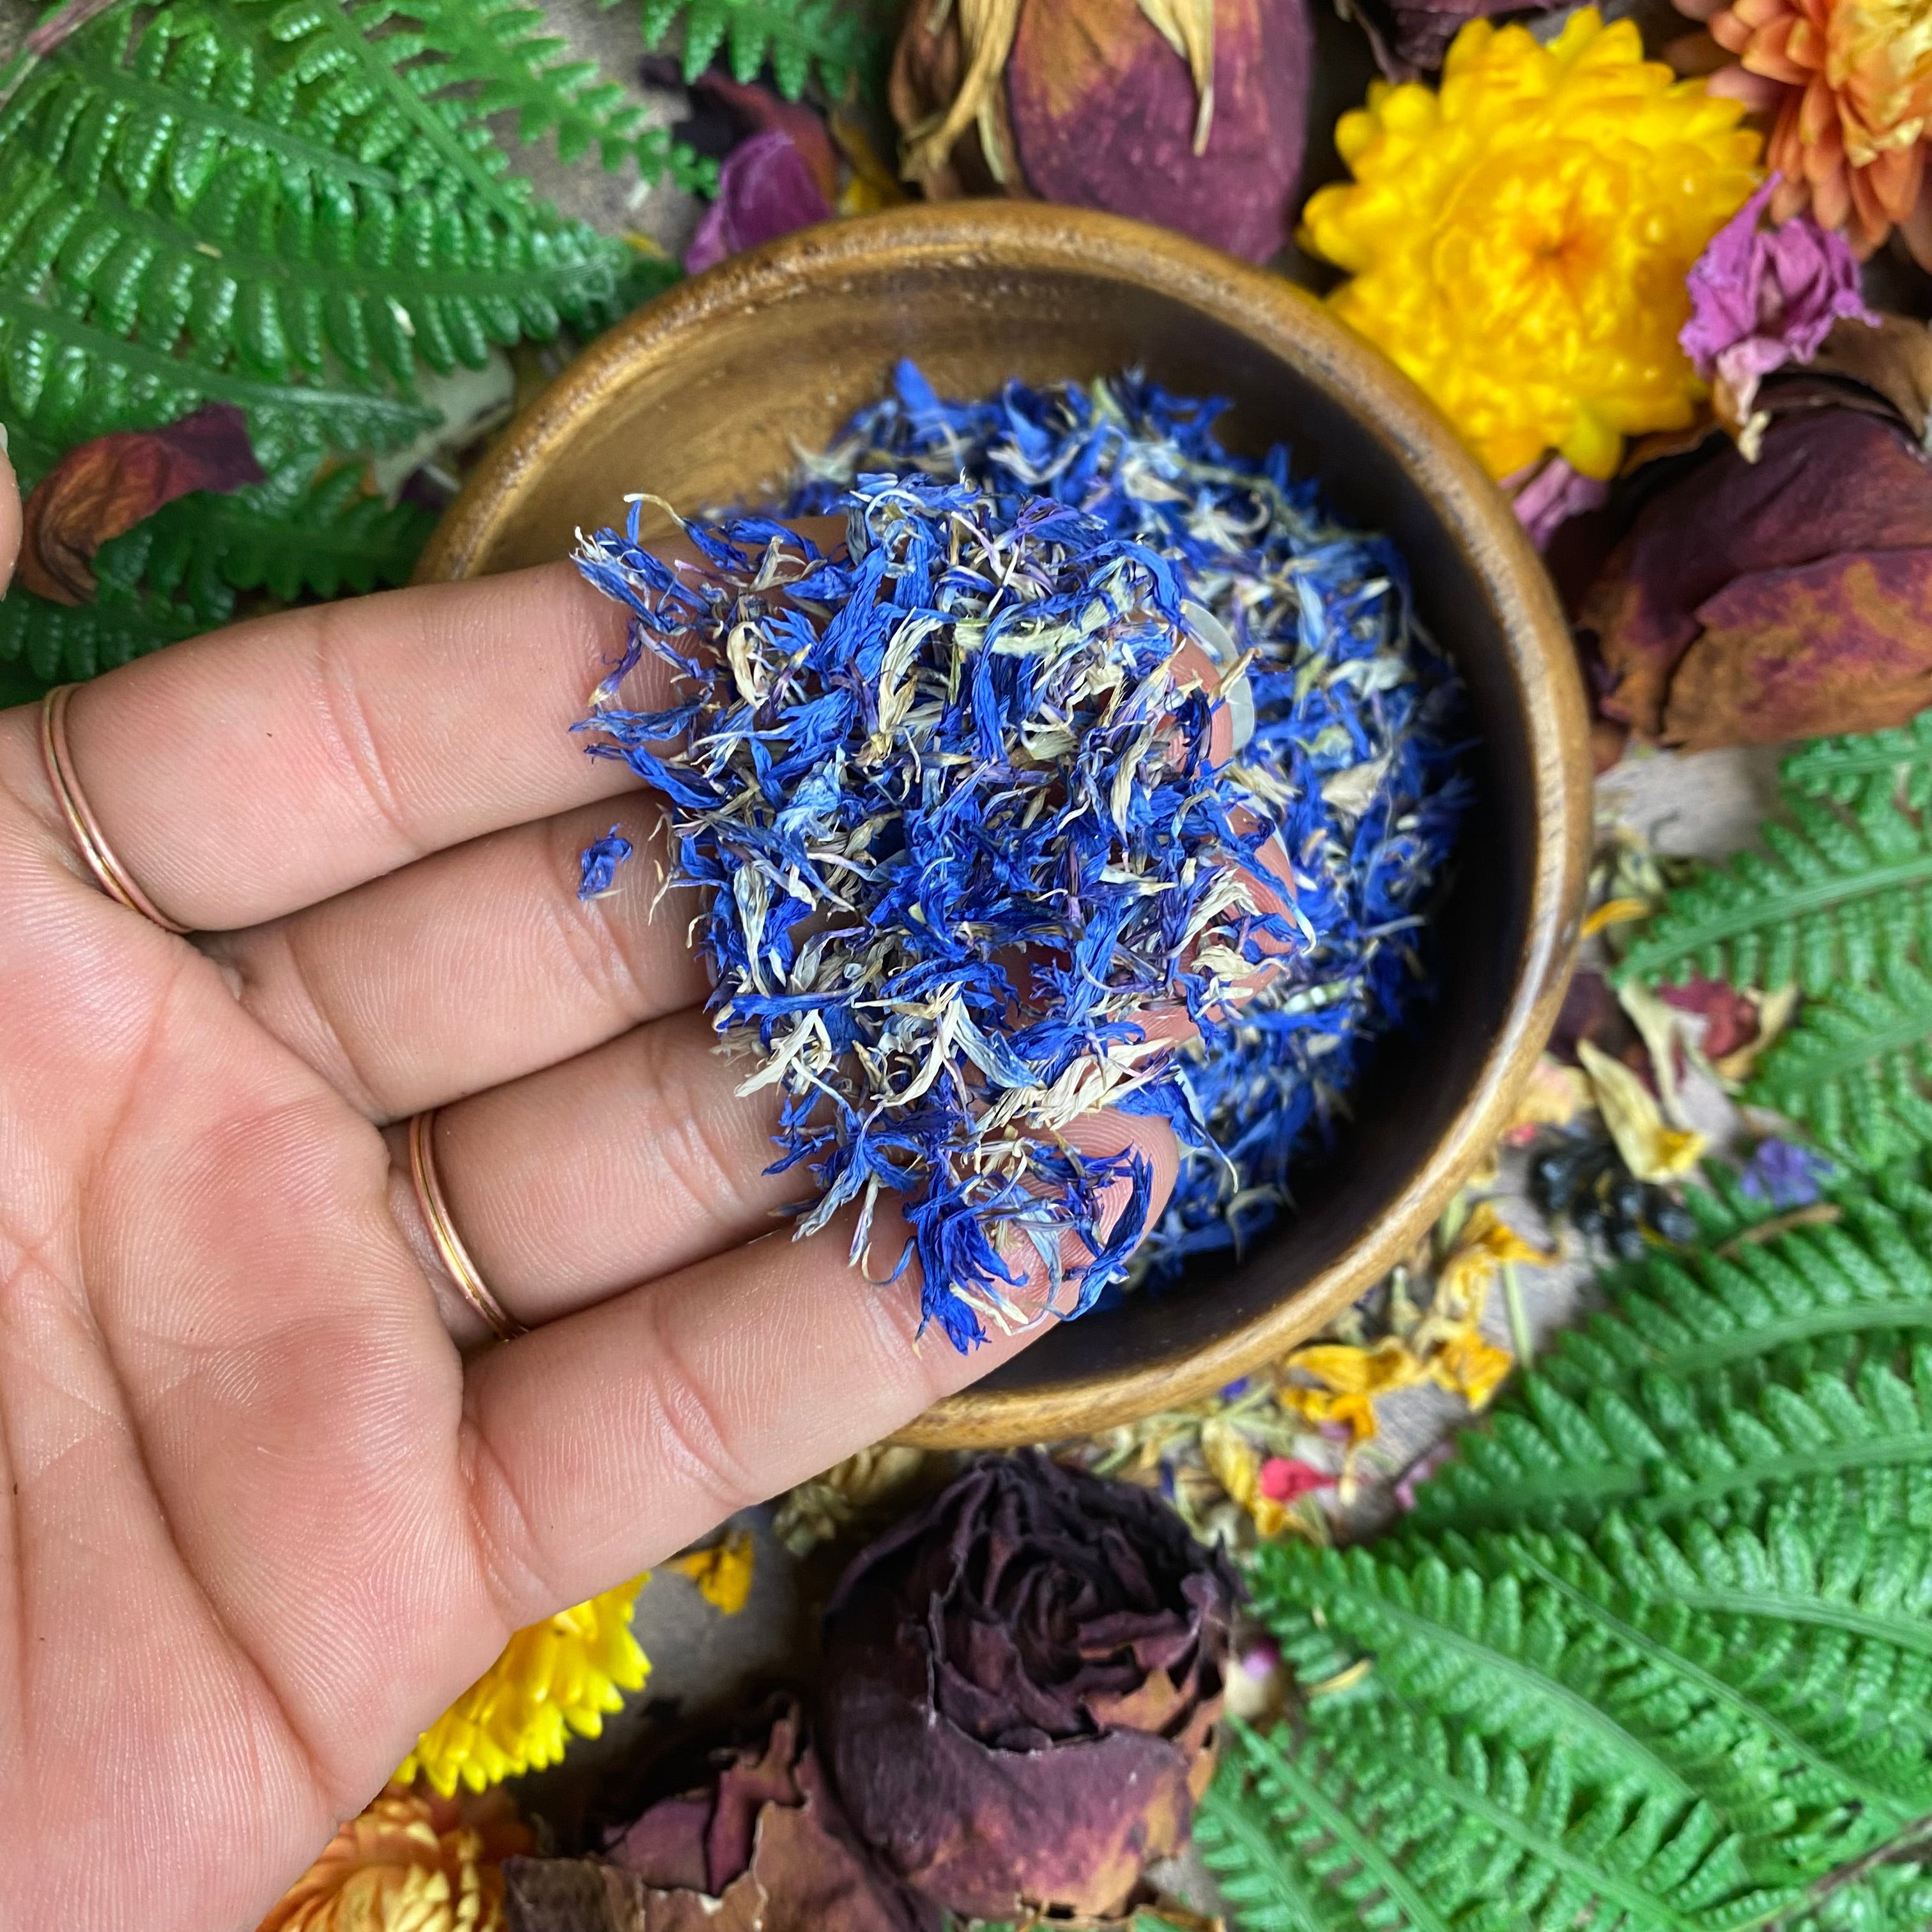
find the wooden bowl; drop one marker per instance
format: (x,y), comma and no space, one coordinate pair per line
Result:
(704,397)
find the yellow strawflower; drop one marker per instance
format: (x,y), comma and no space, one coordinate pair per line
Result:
(558,1676)
(412,1862)
(1518,242)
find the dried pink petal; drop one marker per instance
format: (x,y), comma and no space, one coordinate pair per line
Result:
(1762,296)
(765,190)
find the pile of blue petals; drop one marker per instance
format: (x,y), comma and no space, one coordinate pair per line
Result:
(954,805)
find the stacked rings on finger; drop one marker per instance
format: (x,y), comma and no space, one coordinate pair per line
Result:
(449,1248)
(112,878)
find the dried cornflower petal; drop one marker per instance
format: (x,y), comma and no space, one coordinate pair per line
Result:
(955,807)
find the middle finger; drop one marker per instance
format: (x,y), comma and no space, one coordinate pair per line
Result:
(474,966)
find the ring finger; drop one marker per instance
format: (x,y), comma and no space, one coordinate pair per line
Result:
(625,1164)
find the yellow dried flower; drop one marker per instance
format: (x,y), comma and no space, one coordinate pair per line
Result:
(560,1676)
(1353,1378)
(723,1572)
(412,1862)
(1518,242)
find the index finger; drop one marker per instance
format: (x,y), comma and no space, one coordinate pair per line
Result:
(246,775)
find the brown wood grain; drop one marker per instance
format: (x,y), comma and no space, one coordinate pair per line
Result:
(703,398)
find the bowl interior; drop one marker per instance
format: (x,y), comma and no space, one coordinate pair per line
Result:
(708,402)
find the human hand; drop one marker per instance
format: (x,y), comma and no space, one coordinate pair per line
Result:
(261,1519)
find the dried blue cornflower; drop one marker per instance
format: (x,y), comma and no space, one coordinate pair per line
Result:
(599,862)
(954,806)
(1358,728)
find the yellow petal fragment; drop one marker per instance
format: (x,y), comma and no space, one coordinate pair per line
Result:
(723,1572)
(1614,912)
(1651,1150)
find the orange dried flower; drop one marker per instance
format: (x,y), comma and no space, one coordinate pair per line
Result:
(1849,82)
(412,1862)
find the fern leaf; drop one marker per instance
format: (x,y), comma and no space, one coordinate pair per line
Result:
(43,644)
(1847,770)
(836,37)
(1890,1893)
(1683,1315)
(176,575)
(1710,1375)
(1404,1822)
(1549,1462)
(1811,909)
(1513,1661)
(296,535)
(238,201)
(501,46)
(1855,1072)
(1817,1674)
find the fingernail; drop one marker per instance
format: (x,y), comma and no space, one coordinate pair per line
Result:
(1236,694)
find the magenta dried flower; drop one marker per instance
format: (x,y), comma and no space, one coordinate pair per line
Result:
(765,190)
(1762,296)
(1023,1682)
(1547,495)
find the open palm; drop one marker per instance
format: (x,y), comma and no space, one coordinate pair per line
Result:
(260,1517)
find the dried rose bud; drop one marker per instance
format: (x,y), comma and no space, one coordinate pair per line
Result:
(101,489)
(1753,602)
(1022,1683)
(762,1848)
(1101,104)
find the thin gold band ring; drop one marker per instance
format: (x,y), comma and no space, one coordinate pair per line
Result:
(110,874)
(449,1248)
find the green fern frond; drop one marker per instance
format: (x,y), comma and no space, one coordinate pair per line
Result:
(1891,1893)
(1507,1644)
(1668,1448)
(298,535)
(252,202)
(1822,1650)
(837,38)
(1847,769)
(1710,1374)
(295,536)
(1856,1071)
(43,644)
(1407,1824)
(1813,908)
(502,46)
(1682,1315)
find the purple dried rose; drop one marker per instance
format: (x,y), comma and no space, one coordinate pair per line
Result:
(765,190)
(1091,104)
(1761,297)
(762,1848)
(1753,602)
(1023,1682)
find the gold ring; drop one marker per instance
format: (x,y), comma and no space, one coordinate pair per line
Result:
(449,1248)
(108,873)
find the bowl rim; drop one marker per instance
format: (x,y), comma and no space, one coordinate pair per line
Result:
(1288,322)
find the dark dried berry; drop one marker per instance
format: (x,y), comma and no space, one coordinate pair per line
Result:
(1672,1219)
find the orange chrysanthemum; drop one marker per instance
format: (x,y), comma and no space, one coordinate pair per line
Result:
(412,1862)
(1849,82)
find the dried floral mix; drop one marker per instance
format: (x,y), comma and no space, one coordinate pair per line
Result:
(956,807)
